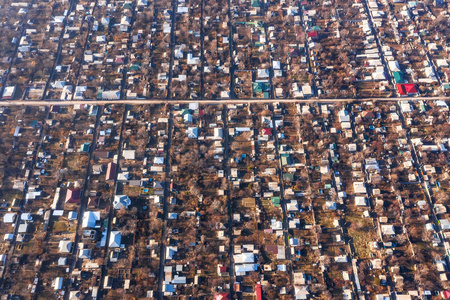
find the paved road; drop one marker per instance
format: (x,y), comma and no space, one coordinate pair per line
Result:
(225,101)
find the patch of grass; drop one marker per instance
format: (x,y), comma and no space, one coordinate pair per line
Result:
(59,226)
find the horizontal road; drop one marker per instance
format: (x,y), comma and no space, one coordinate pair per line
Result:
(223,101)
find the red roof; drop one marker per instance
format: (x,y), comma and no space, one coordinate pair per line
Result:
(93,202)
(368,114)
(111,171)
(73,196)
(119,60)
(223,296)
(406,88)
(258,292)
(445,294)
(267,131)
(312,34)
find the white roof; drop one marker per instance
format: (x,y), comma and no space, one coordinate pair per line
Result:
(193,105)
(276,64)
(115,239)
(58,283)
(218,133)
(388,229)
(128,154)
(246,257)
(26,217)
(263,73)
(8,236)
(301,292)
(72,215)
(90,219)
(9,91)
(241,269)
(9,218)
(360,201)
(192,132)
(23,228)
(121,201)
(343,116)
(100,39)
(62,261)
(64,246)
(158,160)
(170,252)
(111,95)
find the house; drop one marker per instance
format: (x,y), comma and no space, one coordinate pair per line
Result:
(110,95)
(245,257)
(97,169)
(218,133)
(57,283)
(359,188)
(170,252)
(107,282)
(72,215)
(111,171)
(9,218)
(91,219)
(223,296)
(8,92)
(192,132)
(301,292)
(115,239)
(330,205)
(368,115)
(65,246)
(85,253)
(407,89)
(121,201)
(222,270)
(258,292)
(129,154)
(73,196)
(445,294)
(276,64)
(267,131)
(93,202)
(263,73)
(85,147)
(343,116)
(158,160)
(101,153)
(62,261)
(388,229)
(360,201)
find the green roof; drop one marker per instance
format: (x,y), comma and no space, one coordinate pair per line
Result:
(85,147)
(255,3)
(100,94)
(286,159)
(259,87)
(398,76)
(135,67)
(288,176)
(186,111)
(275,201)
